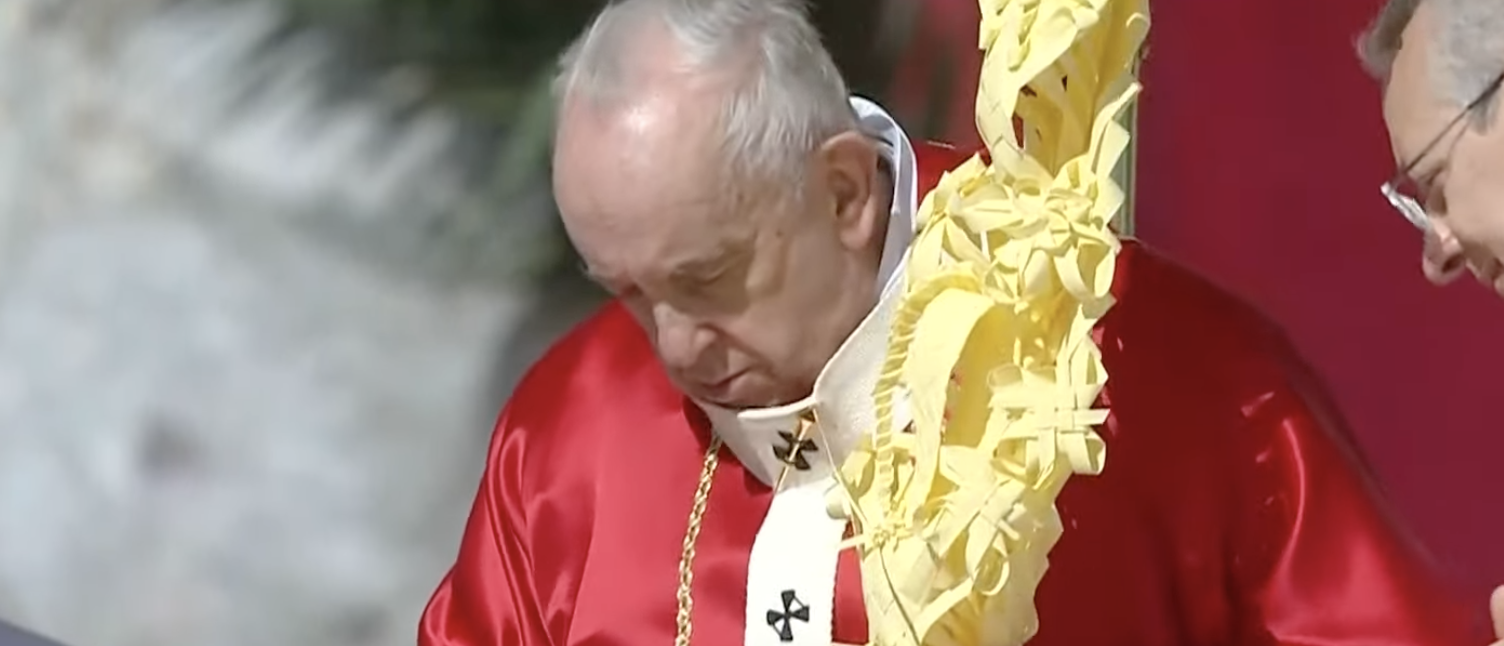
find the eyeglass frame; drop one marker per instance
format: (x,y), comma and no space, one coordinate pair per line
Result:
(1408,207)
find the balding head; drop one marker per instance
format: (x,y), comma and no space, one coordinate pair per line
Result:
(632,106)
(710,173)
(776,91)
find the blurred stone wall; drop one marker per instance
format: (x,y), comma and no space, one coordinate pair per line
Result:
(253,329)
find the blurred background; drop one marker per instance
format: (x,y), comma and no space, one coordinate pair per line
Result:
(269,267)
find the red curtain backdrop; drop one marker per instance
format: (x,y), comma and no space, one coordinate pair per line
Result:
(1261,151)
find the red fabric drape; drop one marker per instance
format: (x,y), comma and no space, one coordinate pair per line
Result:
(1260,154)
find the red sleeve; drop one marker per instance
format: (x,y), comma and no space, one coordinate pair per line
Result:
(488,598)
(1329,565)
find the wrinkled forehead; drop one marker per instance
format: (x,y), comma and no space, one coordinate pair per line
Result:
(641,189)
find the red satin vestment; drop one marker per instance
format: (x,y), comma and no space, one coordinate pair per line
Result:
(1232,511)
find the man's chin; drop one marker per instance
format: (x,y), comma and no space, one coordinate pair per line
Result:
(735,403)
(741,400)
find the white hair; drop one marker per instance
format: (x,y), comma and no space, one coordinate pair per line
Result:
(1380,43)
(784,95)
(1470,48)
(1466,45)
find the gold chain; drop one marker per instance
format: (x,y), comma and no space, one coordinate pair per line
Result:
(691,536)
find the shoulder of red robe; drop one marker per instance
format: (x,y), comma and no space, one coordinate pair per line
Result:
(606,360)
(1216,416)
(1184,334)
(1159,301)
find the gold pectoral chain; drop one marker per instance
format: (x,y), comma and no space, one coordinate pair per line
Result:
(684,626)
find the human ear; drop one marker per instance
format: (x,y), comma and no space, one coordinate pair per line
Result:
(848,166)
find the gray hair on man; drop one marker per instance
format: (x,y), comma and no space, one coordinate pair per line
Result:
(1469,45)
(784,95)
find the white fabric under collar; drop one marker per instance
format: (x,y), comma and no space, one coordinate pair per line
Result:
(762,438)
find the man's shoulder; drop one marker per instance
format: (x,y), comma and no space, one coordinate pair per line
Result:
(1160,301)
(598,392)
(1173,335)
(609,339)
(606,360)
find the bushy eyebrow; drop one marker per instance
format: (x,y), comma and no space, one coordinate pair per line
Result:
(708,266)
(698,268)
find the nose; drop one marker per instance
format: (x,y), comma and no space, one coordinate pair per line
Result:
(681,339)
(1442,259)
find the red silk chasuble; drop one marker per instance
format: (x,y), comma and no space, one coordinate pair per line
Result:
(1232,511)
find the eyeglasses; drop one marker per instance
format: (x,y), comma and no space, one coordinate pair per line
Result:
(1407,204)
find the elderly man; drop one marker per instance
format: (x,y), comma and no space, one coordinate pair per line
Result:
(1442,62)
(752,222)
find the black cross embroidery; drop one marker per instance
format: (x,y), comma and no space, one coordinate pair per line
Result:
(792,451)
(783,622)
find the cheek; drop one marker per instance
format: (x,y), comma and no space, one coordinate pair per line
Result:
(789,298)
(1475,203)
(772,333)
(789,267)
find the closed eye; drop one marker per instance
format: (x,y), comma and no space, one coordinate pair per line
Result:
(703,276)
(703,279)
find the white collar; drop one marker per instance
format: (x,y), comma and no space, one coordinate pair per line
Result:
(842,397)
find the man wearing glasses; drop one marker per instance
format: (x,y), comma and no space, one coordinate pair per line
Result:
(1442,63)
